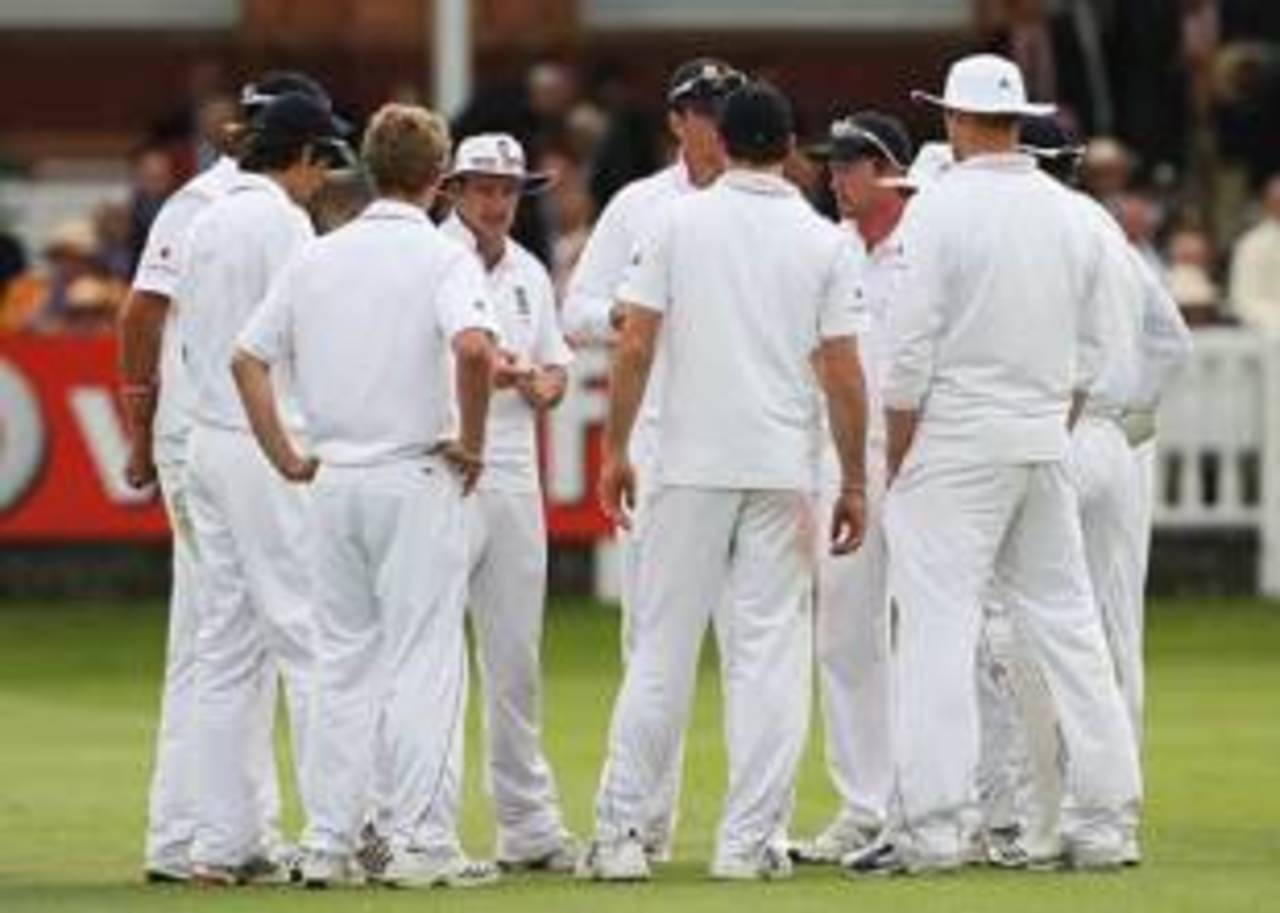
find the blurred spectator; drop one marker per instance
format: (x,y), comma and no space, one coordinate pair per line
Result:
(1060,50)
(1195,293)
(71,256)
(570,212)
(213,115)
(21,291)
(153,181)
(1190,276)
(1139,218)
(111,228)
(1255,267)
(630,146)
(91,304)
(1106,168)
(1150,80)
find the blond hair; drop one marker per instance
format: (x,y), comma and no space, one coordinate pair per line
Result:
(405,148)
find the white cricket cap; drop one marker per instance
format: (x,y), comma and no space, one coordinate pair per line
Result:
(497,154)
(931,162)
(986,84)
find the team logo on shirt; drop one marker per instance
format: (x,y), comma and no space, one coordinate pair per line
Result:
(522,302)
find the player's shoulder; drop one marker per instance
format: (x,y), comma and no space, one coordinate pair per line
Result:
(660,185)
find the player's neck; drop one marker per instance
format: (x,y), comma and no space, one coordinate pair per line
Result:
(491,249)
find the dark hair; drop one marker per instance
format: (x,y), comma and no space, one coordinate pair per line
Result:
(266,152)
(756,124)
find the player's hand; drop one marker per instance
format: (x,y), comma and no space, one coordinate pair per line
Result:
(848,521)
(539,388)
(508,370)
(462,461)
(298,468)
(140,468)
(618,491)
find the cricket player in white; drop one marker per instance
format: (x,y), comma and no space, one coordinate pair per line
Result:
(868,154)
(158,403)
(991,347)
(506,529)
(732,509)
(250,526)
(592,313)
(1108,486)
(367,317)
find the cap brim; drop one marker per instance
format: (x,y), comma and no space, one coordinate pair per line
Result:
(1029,109)
(900,182)
(1047,152)
(531,184)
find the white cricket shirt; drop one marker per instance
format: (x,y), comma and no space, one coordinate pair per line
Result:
(996,324)
(366,316)
(598,275)
(749,280)
(157,273)
(524,310)
(235,249)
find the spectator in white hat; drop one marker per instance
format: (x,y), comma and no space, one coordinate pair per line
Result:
(506,533)
(990,348)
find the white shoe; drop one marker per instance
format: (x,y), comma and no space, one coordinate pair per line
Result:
(772,864)
(887,857)
(414,868)
(1084,857)
(615,860)
(840,838)
(1130,851)
(327,870)
(167,873)
(561,859)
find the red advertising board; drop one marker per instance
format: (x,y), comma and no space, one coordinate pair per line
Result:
(63,446)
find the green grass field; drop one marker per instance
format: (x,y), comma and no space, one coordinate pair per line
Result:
(78,694)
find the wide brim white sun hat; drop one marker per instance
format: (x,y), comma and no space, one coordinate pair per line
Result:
(931,163)
(986,84)
(497,154)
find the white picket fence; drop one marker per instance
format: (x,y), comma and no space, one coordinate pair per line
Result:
(1218,459)
(1218,463)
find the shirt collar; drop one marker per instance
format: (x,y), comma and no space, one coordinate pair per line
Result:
(1009,162)
(455,228)
(253,181)
(761,182)
(679,172)
(394,209)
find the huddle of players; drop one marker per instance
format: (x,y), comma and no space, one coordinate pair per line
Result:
(956,326)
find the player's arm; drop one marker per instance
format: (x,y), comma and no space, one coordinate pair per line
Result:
(141,332)
(253,381)
(466,320)
(914,325)
(473,355)
(592,312)
(846,396)
(266,340)
(628,377)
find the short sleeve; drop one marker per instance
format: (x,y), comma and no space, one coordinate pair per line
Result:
(843,309)
(160,265)
(462,303)
(268,334)
(646,281)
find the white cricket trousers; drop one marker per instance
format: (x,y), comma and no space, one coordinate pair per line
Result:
(952,529)
(255,617)
(171,815)
(507,556)
(659,829)
(697,544)
(389,557)
(852,645)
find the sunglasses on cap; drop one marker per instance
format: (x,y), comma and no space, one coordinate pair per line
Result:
(849,130)
(708,84)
